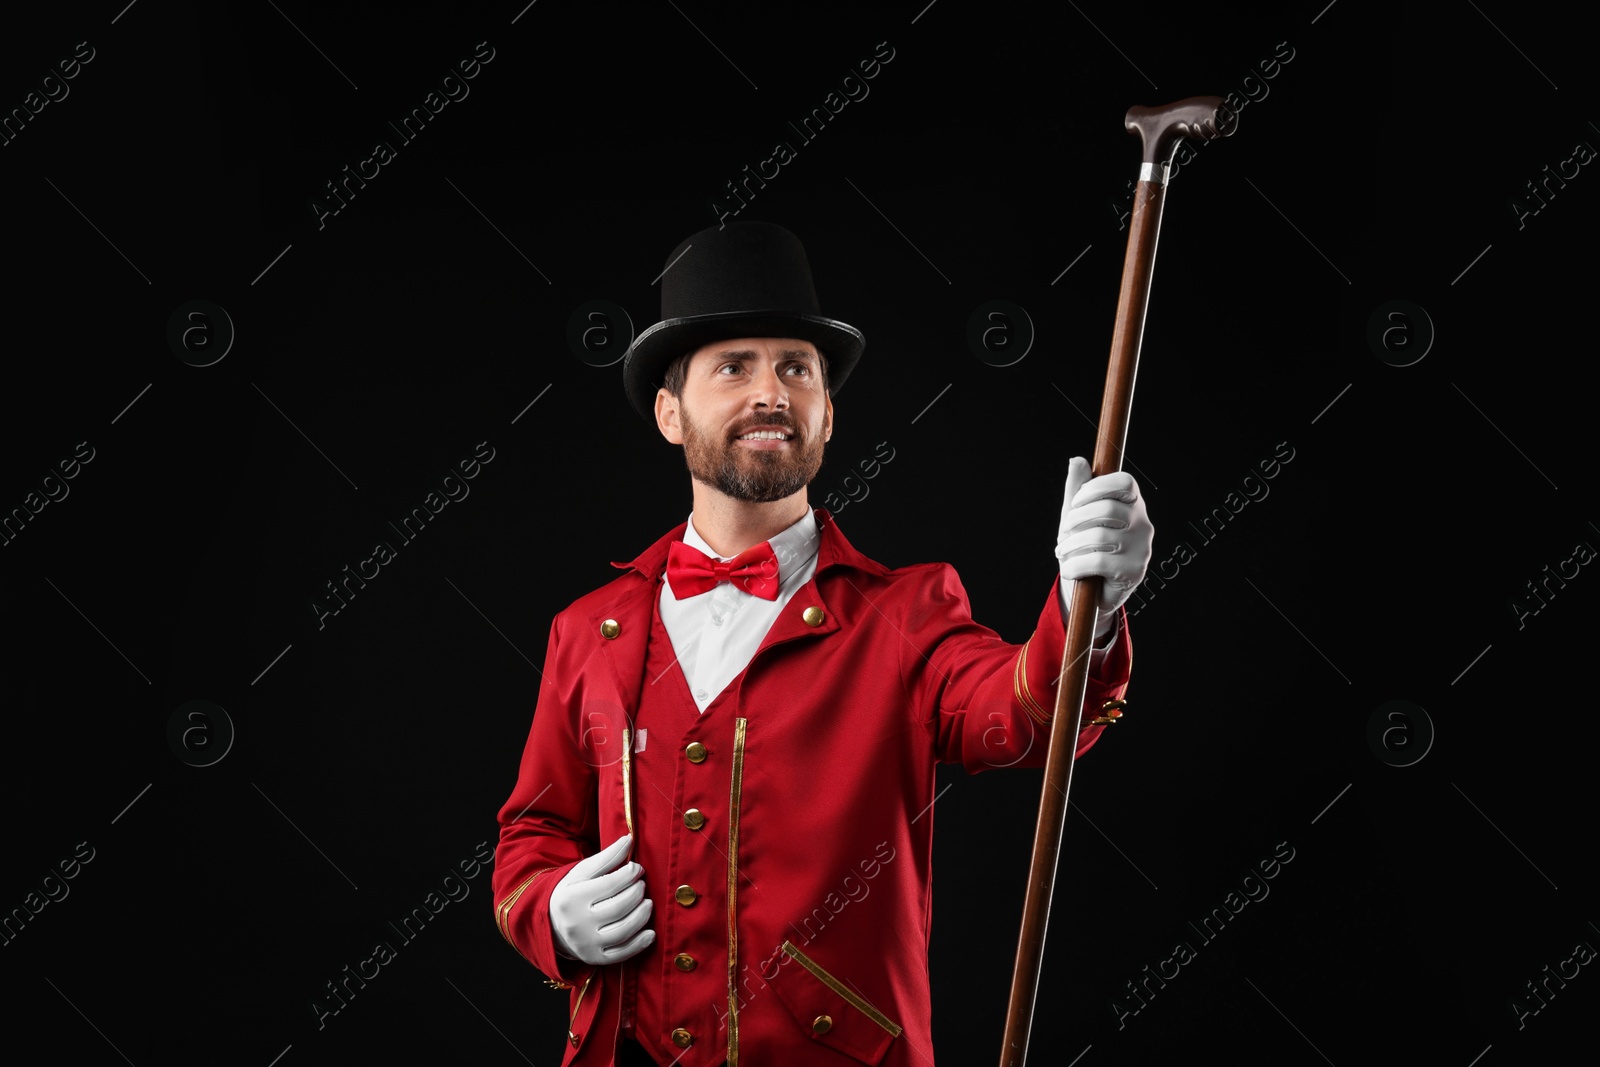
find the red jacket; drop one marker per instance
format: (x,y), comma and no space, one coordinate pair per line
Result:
(868,679)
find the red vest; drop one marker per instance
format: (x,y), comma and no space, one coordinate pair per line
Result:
(680,822)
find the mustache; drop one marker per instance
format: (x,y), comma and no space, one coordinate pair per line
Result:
(772,424)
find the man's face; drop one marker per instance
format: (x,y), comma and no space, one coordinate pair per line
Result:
(732,388)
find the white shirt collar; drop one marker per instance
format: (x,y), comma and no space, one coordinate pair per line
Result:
(793,546)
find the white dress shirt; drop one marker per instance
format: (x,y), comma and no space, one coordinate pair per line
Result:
(715,635)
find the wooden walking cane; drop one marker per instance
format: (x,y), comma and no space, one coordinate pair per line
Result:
(1159,128)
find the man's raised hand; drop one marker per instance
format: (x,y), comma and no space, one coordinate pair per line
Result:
(1104,533)
(599,910)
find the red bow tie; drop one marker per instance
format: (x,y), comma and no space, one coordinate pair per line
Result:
(692,572)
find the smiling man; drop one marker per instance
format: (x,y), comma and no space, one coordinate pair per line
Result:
(752,457)
(720,838)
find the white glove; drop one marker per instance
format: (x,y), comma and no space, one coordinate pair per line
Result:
(1104,533)
(599,909)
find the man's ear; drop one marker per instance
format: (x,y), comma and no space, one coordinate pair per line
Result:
(667,416)
(827,429)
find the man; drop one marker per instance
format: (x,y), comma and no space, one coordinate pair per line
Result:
(720,836)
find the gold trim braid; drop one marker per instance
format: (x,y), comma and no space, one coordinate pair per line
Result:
(502,911)
(573,1018)
(1019,675)
(733,890)
(856,1000)
(627,780)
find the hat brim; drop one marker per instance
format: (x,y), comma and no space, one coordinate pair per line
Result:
(647,359)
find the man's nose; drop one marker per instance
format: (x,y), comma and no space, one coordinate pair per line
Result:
(770,388)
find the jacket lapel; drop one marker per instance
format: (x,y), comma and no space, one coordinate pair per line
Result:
(631,610)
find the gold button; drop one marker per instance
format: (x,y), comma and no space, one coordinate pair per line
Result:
(696,752)
(694,818)
(813,616)
(610,628)
(684,961)
(821,1024)
(682,1038)
(685,895)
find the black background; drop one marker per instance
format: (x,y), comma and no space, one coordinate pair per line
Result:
(372,754)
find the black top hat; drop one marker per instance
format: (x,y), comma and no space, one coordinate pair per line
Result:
(743,279)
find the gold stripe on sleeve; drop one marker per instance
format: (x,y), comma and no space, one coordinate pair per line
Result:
(502,911)
(1020,686)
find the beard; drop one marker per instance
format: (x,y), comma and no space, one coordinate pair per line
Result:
(753,475)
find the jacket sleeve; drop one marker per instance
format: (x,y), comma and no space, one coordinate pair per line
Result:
(990,703)
(548,824)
